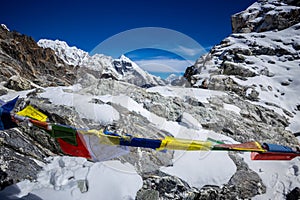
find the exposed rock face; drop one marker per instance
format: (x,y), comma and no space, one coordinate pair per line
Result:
(21,150)
(266,15)
(243,185)
(211,115)
(22,59)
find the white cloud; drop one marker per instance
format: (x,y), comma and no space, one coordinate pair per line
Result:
(189,51)
(164,65)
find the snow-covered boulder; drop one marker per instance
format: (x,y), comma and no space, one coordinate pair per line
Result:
(266,15)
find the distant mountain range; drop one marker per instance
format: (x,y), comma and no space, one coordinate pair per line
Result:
(119,69)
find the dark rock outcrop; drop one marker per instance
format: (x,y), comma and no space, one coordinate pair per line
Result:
(20,153)
(294,194)
(23,64)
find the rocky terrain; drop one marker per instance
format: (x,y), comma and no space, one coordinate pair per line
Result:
(248,63)
(249,82)
(267,16)
(25,65)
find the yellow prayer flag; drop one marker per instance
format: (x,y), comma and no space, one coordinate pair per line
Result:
(184,144)
(33,113)
(103,138)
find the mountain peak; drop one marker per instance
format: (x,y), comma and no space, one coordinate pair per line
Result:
(4,27)
(119,69)
(71,55)
(123,57)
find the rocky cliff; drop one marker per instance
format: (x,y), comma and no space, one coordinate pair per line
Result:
(25,65)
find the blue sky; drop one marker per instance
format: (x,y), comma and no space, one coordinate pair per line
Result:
(87,23)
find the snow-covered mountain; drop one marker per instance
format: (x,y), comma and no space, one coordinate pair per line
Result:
(248,92)
(262,67)
(132,73)
(120,69)
(176,80)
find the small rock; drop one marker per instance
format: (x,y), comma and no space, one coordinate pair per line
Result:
(147,195)
(18,83)
(285,83)
(298,107)
(271,62)
(83,185)
(294,194)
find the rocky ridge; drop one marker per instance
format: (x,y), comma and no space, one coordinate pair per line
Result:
(25,65)
(102,66)
(266,16)
(249,63)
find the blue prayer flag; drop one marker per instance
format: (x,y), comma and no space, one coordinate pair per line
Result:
(9,106)
(6,121)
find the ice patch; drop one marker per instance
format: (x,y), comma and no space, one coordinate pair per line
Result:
(200,94)
(280,177)
(203,167)
(75,178)
(232,108)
